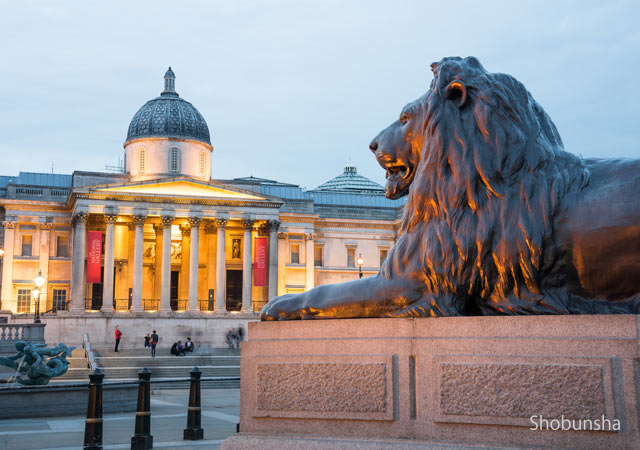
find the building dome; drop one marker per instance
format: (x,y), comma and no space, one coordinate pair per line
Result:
(168,138)
(351,182)
(168,116)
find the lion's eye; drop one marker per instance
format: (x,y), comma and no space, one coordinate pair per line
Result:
(404,118)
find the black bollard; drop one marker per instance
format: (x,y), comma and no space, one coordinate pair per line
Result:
(194,431)
(93,424)
(142,439)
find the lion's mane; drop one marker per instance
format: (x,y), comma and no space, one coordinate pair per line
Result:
(478,224)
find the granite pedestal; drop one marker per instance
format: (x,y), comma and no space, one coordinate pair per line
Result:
(460,382)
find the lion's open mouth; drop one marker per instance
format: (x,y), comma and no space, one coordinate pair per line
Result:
(397,170)
(399,177)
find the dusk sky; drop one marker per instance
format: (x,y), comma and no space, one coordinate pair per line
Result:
(294,90)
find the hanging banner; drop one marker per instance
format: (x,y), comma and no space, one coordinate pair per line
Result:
(94,256)
(260,262)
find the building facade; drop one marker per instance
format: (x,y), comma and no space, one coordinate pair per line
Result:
(174,240)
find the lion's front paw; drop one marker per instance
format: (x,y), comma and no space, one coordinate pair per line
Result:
(285,307)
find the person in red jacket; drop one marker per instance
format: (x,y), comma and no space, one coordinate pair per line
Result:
(118,336)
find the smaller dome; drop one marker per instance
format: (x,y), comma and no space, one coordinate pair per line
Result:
(350,181)
(168,116)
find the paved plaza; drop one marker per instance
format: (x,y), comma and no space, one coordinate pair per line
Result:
(220,411)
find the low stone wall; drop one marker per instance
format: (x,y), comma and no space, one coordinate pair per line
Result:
(10,333)
(377,383)
(204,330)
(60,400)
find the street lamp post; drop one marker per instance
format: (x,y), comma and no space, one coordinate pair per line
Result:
(360,261)
(39,280)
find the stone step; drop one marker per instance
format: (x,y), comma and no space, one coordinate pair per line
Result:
(223,384)
(175,372)
(164,350)
(167,361)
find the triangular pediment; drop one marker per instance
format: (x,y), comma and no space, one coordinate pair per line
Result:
(182,188)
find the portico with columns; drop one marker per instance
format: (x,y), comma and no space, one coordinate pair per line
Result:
(168,269)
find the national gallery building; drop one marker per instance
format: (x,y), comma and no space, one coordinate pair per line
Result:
(161,239)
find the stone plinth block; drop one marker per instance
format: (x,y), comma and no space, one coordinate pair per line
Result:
(491,382)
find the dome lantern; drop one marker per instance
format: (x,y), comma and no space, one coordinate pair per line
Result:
(169,84)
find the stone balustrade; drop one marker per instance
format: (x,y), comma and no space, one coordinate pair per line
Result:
(12,332)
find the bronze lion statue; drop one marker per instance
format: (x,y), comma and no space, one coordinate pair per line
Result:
(499,218)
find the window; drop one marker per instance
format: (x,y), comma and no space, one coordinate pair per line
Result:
(174,160)
(295,253)
(62,248)
(383,255)
(351,257)
(24,300)
(203,163)
(27,240)
(59,300)
(142,156)
(317,255)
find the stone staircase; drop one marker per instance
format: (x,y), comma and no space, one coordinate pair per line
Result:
(124,365)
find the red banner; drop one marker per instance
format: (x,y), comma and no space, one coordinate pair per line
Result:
(94,256)
(260,262)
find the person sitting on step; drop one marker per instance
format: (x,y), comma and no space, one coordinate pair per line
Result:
(188,346)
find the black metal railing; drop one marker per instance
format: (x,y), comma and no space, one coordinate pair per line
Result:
(206,305)
(150,304)
(92,304)
(122,304)
(142,438)
(57,306)
(179,305)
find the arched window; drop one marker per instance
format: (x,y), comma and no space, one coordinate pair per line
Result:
(142,159)
(203,163)
(174,160)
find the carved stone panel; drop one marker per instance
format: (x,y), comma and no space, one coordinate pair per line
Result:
(325,387)
(511,392)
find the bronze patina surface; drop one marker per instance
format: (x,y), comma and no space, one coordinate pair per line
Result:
(499,218)
(36,364)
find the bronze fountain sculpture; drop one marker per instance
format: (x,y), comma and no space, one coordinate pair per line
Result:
(36,364)
(499,220)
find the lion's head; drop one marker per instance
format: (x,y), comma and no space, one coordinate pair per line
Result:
(485,170)
(402,145)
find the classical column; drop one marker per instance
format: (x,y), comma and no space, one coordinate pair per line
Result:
(247,265)
(8,303)
(77,265)
(165,274)
(138,237)
(210,231)
(273,257)
(282,259)
(109,248)
(157,228)
(309,262)
(183,293)
(220,268)
(43,260)
(193,263)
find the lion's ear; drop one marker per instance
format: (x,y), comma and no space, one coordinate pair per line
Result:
(456,91)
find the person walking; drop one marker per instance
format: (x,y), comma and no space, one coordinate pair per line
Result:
(154,342)
(118,337)
(240,336)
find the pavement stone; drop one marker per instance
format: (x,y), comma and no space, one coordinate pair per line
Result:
(220,411)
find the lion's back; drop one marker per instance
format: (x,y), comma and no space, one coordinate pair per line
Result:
(600,229)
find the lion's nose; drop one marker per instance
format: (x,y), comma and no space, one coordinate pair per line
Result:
(373,146)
